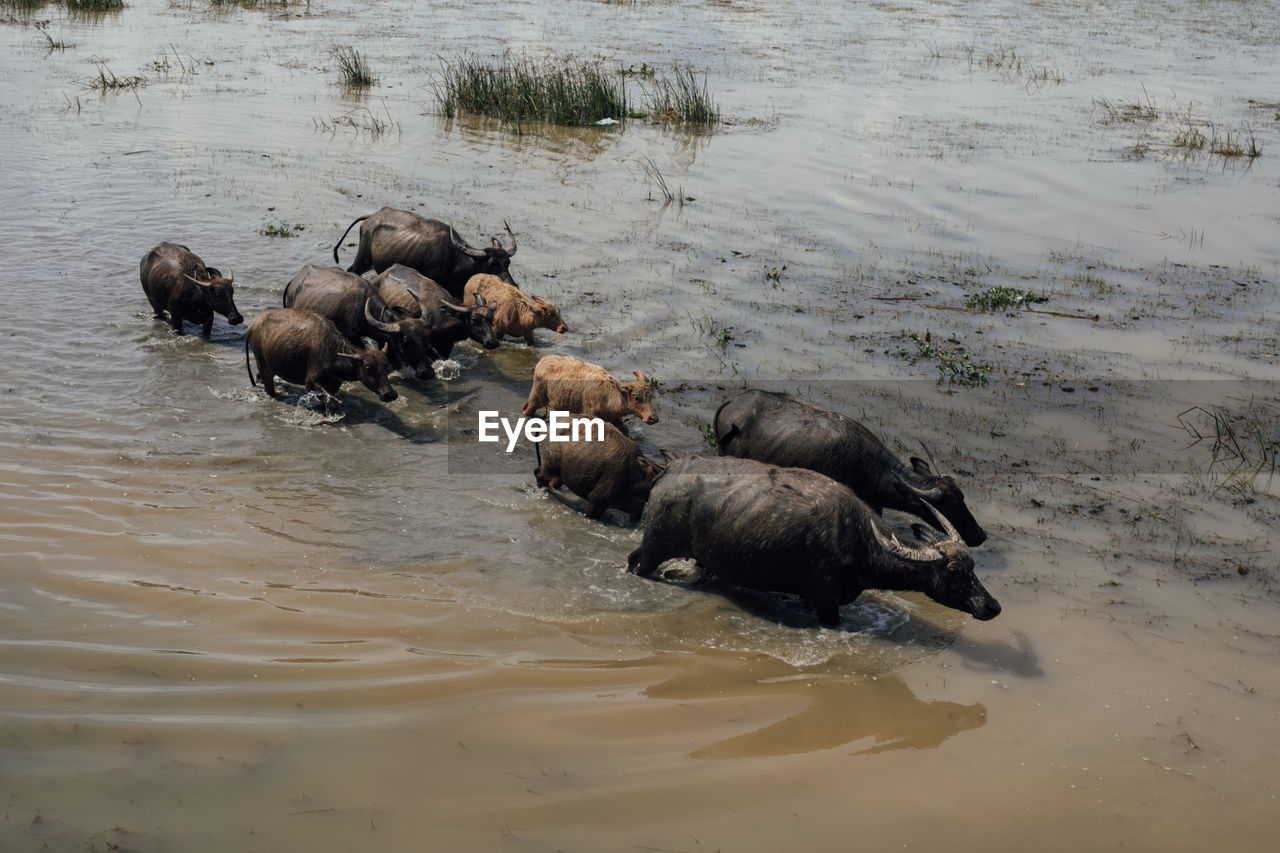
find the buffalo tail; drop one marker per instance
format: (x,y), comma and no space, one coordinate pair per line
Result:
(344,236)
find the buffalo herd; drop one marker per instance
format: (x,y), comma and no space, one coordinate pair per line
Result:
(791,502)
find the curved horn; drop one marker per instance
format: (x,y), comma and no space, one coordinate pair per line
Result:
(416,301)
(945,523)
(389,328)
(459,308)
(197,281)
(461,245)
(926,495)
(932,462)
(231,275)
(512,250)
(915,555)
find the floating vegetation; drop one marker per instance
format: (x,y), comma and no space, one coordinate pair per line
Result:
(281,230)
(1001,298)
(520,89)
(773,275)
(954,364)
(682,99)
(353,68)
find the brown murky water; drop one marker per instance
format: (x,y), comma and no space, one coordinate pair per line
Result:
(227,622)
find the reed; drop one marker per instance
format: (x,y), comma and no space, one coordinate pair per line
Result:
(94,5)
(353,68)
(521,89)
(682,98)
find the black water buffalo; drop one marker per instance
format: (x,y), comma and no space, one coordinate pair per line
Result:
(608,471)
(429,246)
(784,430)
(177,281)
(354,306)
(407,290)
(307,349)
(796,531)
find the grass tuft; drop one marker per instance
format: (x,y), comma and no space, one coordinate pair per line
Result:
(94,5)
(107,81)
(682,99)
(520,89)
(353,68)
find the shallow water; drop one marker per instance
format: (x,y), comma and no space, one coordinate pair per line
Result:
(232,622)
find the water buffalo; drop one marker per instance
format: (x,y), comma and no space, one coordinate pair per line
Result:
(796,531)
(784,430)
(429,246)
(568,384)
(354,306)
(407,290)
(177,281)
(307,349)
(514,313)
(606,473)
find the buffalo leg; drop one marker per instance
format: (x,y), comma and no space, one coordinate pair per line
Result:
(537,398)
(643,562)
(828,612)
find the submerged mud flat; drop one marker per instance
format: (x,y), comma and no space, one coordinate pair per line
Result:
(230,621)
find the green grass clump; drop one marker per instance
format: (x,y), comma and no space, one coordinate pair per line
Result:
(107,81)
(520,89)
(353,68)
(954,365)
(281,230)
(94,5)
(682,99)
(1000,298)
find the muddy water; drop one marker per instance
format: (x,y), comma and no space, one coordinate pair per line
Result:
(228,622)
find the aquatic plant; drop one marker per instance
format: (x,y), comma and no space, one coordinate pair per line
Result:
(519,89)
(107,81)
(353,68)
(51,44)
(954,365)
(682,99)
(281,230)
(1249,437)
(1001,297)
(94,5)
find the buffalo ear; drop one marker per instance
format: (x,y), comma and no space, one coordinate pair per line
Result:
(538,299)
(369,343)
(921,467)
(668,456)
(478,299)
